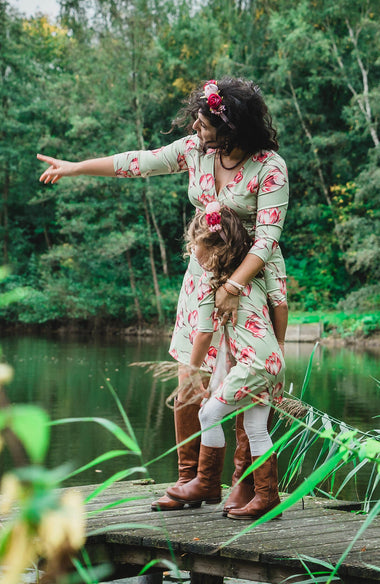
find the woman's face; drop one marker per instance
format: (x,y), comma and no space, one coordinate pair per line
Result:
(205,132)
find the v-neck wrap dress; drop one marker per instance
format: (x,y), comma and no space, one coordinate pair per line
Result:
(259,194)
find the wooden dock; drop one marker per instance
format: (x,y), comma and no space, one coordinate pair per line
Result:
(193,539)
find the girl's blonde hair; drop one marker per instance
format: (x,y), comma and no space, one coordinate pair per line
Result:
(226,253)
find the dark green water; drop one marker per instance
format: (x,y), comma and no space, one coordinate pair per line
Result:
(67,378)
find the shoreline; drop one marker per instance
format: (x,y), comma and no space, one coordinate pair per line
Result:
(87,329)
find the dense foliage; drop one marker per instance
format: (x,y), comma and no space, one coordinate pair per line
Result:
(110,76)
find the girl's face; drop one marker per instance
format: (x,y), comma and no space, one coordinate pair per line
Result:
(205,131)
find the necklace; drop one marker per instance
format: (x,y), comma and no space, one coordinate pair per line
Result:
(231,167)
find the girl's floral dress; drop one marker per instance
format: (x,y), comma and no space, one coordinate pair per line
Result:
(259,371)
(258,193)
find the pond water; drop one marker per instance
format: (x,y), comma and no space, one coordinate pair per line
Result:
(68,378)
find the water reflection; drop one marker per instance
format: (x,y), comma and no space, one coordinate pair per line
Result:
(69,379)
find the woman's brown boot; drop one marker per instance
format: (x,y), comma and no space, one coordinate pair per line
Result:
(186,423)
(266,491)
(244,491)
(206,486)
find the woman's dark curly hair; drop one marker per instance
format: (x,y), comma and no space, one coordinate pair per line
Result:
(224,256)
(245,109)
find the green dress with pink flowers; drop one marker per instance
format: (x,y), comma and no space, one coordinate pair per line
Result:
(258,193)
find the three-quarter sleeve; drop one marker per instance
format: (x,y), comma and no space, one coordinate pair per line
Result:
(143,163)
(275,278)
(272,205)
(206,305)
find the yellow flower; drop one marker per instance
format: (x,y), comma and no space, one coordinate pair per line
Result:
(63,530)
(6,374)
(10,492)
(19,555)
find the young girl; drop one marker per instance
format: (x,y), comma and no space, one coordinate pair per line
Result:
(219,241)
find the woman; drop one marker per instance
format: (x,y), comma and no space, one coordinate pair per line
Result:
(233,159)
(220,243)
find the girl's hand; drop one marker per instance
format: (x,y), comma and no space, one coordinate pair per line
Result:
(227,306)
(57,169)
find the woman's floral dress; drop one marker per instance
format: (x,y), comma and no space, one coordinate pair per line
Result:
(258,193)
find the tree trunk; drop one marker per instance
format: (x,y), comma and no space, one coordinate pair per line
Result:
(132,281)
(152,264)
(4,214)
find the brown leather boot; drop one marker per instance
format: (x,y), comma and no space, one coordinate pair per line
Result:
(186,423)
(244,491)
(266,492)
(207,485)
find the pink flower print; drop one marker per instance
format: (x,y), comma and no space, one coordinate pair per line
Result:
(247,290)
(260,157)
(242,392)
(274,181)
(190,144)
(191,170)
(256,326)
(233,347)
(181,162)
(262,399)
(193,318)
(134,167)
(269,216)
(282,283)
(247,355)
(273,364)
(206,182)
(157,150)
(123,173)
(174,354)
(274,245)
(203,290)
(179,320)
(265,312)
(253,185)
(277,391)
(189,285)
(215,322)
(210,358)
(206,198)
(238,177)
(212,352)
(192,336)
(260,243)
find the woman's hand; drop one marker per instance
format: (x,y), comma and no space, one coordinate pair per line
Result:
(57,169)
(227,306)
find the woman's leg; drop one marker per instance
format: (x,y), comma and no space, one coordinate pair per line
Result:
(186,423)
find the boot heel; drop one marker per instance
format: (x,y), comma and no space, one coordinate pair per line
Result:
(195,505)
(213,501)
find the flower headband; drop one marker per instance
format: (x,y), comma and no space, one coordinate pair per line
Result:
(213,219)
(214,100)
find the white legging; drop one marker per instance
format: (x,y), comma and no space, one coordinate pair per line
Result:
(255,425)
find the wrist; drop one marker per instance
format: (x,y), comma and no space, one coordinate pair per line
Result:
(231,290)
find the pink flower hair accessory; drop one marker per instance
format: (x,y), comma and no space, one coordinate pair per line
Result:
(213,216)
(214,100)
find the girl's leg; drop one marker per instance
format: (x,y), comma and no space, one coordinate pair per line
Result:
(212,412)
(256,427)
(207,484)
(265,476)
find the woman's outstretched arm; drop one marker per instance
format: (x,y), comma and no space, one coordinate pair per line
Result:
(59,168)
